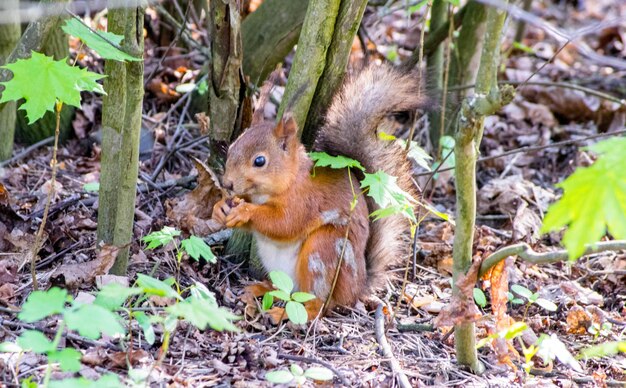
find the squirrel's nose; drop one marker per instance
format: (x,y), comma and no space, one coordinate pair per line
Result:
(227,184)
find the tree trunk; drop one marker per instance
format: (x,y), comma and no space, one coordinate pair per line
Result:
(121,125)
(464,65)
(55,44)
(435,62)
(487,100)
(269,34)
(224,78)
(9,36)
(310,59)
(346,27)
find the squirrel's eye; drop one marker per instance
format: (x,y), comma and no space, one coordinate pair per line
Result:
(259,161)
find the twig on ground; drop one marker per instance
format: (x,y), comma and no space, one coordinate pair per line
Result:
(418,327)
(27,151)
(312,360)
(525,252)
(403,381)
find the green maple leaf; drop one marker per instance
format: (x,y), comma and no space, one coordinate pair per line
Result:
(202,313)
(41,82)
(196,248)
(383,188)
(322,159)
(160,237)
(90,320)
(104,43)
(41,304)
(593,201)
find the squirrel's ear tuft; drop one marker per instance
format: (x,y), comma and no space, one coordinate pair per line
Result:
(286,128)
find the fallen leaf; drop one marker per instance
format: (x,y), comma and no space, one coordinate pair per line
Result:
(75,275)
(461,308)
(192,212)
(134,357)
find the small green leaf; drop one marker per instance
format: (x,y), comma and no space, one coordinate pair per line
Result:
(146,326)
(196,248)
(280,294)
(546,304)
(515,330)
(202,313)
(10,347)
(418,154)
(91,320)
(156,287)
(296,313)
(41,304)
(606,349)
(35,341)
(113,295)
(160,237)
(92,187)
(41,82)
(28,383)
(480,298)
(268,301)
(68,358)
(100,42)
(322,159)
(456,3)
(282,281)
(523,47)
(319,373)
(392,53)
(296,370)
(302,297)
(414,8)
(279,377)
(522,291)
(203,87)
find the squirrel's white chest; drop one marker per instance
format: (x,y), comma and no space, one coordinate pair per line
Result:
(278,255)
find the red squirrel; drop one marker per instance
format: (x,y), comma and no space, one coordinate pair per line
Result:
(300,216)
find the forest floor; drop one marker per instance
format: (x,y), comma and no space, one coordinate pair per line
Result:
(514,193)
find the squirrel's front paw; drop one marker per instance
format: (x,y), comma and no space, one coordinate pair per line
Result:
(223,208)
(239,215)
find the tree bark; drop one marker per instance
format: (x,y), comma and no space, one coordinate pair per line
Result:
(121,125)
(310,59)
(269,34)
(224,78)
(9,36)
(435,62)
(346,27)
(486,100)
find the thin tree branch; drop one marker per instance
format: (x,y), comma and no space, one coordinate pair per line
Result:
(525,252)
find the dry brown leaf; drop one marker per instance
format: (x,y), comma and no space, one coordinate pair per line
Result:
(75,275)
(461,308)
(578,320)
(4,195)
(192,212)
(134,357)
(8,272)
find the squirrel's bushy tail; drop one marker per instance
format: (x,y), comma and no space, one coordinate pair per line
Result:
(351,129)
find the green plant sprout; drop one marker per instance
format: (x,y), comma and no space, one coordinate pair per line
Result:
(103,317)
(294,307)
(531,297)
(603,330)
(296,375)
(479,297)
